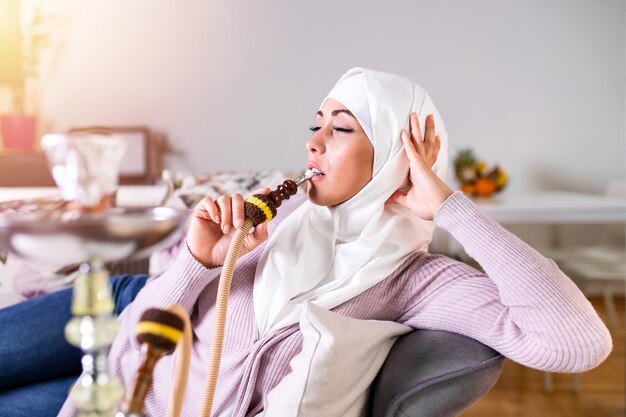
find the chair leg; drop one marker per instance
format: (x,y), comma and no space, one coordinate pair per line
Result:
(575,383)
(548,385)
(607,293)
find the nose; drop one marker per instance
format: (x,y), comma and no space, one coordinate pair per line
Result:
(316,144)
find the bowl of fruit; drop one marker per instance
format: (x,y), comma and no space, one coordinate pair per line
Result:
(475,177)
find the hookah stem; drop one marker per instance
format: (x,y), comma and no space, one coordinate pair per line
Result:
(159,333)
(258,208)
(219,322)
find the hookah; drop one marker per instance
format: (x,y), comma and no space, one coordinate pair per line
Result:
(88,231)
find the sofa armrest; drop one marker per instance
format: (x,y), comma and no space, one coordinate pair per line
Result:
(434,373)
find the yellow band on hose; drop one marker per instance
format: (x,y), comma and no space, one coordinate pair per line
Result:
(158,329)
(261,204)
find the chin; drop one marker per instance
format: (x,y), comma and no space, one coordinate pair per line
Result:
(319,198)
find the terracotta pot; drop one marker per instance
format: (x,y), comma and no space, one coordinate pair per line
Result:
(18,131)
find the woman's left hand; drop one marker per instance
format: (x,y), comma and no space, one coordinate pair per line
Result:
(427,191)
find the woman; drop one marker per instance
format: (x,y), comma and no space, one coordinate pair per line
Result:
(358,247)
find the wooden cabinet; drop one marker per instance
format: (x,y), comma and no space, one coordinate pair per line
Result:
(142,163)
(24,169)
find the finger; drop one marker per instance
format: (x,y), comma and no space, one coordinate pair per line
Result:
(414,124)
(206,209)
(431,140)
(409,148)
(398,197)
(260,231)
(416,135)
(258,236)
(430,129)
(415,128)
(225,212)
(238,210)
(433,151)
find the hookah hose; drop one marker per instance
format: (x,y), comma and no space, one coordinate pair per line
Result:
(181,364)
(258,208)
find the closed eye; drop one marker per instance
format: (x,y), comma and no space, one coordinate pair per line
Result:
(337,128)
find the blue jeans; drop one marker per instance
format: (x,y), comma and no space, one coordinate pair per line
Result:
(37,365)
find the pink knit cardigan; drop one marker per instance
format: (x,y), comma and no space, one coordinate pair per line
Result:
(524,307)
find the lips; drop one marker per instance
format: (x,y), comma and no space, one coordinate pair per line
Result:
(314,165)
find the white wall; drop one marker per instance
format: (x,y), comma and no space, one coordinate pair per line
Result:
(537,86)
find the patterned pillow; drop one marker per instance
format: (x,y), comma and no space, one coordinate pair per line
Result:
(189,189)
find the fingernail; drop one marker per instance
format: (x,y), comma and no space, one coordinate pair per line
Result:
(238,223)
(226,229)
(217,218)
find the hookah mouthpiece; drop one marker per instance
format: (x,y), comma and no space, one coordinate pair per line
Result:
(159,328)
(308,174)
(260,207)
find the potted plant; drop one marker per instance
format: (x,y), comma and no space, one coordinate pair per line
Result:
(19,127)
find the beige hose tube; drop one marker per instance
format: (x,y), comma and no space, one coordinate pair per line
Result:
(219,321)
(181,364)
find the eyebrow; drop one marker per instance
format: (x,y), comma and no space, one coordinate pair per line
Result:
(336,112)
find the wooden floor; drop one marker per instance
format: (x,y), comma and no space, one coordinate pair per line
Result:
(519,391)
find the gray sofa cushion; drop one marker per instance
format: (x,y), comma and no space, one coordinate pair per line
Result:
(433,373)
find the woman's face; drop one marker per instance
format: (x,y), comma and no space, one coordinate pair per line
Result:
(341,150)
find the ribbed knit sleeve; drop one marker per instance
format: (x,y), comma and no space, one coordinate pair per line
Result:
(181,284)
(523,305)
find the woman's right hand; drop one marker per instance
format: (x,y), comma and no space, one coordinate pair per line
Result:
(213,226)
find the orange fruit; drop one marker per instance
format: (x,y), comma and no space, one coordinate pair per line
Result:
(467,188)
(485,187)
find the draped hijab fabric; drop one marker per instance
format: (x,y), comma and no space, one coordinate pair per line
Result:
(328,255)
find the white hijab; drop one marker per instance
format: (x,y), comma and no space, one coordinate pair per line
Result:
(328,255)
